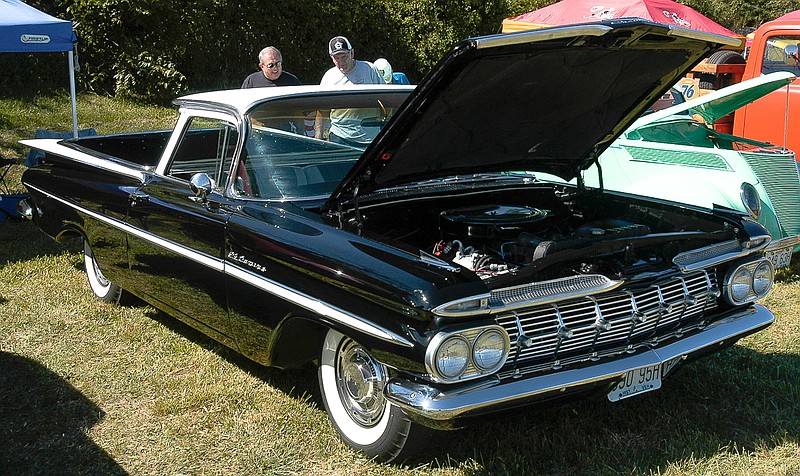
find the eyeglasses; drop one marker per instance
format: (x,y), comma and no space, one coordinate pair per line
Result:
(276,64)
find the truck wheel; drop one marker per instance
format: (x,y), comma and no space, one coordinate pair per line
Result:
(104,289)
(709,80)
(351,383)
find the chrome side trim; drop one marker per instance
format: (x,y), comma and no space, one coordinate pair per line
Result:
(53,146)
(315,305)
(204,259)
(482,397)
(223,266)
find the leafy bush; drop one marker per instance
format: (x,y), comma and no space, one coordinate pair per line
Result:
(153,50)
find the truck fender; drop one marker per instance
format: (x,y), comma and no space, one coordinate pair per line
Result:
(682,188)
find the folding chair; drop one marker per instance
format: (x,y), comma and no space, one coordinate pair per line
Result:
(5,165)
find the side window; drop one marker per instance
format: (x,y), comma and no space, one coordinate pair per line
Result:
(781,54)
(208,146)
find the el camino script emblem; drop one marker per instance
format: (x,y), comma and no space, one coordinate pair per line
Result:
(241,259)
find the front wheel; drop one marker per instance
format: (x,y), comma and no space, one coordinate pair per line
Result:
(352,382)
(104,289)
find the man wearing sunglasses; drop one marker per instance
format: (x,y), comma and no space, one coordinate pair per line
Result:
(270,64)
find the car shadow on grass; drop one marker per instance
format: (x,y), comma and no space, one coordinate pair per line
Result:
(297,383)
(22,241)
(43,423)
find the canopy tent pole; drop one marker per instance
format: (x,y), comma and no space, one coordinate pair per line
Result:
(71,55)
(24,29)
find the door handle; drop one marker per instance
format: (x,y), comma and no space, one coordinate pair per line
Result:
(138,198)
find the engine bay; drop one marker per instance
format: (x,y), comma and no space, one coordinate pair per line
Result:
(547,230)
(491,240)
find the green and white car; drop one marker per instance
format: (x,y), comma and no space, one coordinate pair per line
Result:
(674,154)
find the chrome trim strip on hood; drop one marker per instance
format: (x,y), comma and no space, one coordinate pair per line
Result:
(541,35)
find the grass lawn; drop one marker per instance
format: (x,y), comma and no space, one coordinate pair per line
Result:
(90,388)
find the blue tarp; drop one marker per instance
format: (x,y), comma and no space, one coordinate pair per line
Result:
(24,29)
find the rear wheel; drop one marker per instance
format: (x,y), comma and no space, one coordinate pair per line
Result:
(104,289)
(352,382)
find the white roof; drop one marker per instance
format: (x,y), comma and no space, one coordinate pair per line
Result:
(243,99)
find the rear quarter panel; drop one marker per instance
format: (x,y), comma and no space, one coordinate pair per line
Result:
(81,200)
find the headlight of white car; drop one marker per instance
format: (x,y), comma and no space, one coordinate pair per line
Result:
(751,200)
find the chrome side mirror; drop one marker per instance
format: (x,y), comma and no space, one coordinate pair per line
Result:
(201,185)
(791,51)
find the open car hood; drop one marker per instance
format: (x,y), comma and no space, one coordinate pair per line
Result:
(548,100)
(714,105)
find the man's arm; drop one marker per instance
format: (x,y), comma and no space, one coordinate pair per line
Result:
(321,124)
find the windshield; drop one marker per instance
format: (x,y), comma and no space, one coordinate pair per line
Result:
(303,147)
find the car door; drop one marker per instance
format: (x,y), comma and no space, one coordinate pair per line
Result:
(176,252)
(758,120)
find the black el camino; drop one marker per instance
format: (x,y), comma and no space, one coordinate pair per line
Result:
(426,263)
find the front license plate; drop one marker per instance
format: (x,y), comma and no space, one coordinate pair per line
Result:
(636,381)
(780,258)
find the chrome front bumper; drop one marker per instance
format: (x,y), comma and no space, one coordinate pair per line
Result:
(432,403)
(792,241)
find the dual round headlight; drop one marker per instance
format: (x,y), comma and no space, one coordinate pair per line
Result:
(749,282)
(466,354)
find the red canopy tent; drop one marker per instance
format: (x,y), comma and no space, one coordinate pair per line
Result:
(582,11)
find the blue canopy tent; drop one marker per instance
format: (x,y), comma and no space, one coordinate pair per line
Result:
(24,29)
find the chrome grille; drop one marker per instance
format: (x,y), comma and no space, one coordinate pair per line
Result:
(703,160)
(779,176)
(547,336)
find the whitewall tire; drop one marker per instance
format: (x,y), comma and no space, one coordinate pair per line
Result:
(351,382)
(104,289)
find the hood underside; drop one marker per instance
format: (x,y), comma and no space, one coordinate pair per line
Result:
(548,100)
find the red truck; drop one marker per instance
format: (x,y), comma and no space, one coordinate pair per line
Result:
(774,118)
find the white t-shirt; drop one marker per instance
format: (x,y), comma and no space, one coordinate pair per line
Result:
(363,72)
(346,123)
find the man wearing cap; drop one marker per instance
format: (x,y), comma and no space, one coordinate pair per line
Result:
(270,64)
(345,124)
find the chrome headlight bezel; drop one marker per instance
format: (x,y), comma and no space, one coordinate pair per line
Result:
(751,200)
(478,339)
(444,354)
(749,281)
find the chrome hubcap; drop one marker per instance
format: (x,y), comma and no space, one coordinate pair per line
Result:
(360,381)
